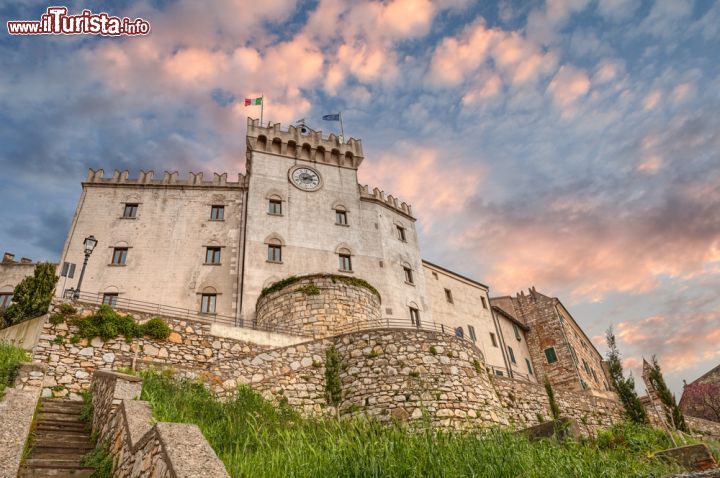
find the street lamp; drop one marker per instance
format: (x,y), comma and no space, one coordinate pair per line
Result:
(89,244)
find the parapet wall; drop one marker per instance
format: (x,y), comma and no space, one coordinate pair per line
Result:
(147,178)
(321,305)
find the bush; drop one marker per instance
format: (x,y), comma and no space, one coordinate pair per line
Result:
(155,328)
(10,358)
(32,296)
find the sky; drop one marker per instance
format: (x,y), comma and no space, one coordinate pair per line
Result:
(570,145)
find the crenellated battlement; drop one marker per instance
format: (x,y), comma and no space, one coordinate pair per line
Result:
(387,200)
(295,144)
(121,178)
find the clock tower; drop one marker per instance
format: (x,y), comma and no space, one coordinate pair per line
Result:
(307,214)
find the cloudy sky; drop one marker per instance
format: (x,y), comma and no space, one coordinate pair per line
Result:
(572,145)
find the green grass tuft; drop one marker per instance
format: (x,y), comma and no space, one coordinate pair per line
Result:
(254,438)
(10,358)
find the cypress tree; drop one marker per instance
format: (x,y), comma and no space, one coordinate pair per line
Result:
(672,411)
(625,387)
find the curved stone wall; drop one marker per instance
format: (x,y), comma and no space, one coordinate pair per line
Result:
(319,304)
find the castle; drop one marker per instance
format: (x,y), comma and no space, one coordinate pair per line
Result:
(211,246)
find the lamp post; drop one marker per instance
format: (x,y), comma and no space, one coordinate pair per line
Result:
(89,243)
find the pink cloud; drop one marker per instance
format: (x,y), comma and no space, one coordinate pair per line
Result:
(568,86)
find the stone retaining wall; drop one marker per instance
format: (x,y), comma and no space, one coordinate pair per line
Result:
(17,409)
(320,305)
(141,447)
(70,366)
(527,405)
(704,427)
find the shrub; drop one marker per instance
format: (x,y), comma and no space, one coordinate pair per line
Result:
(32,296)
(156,328)
(554,408)
(310,289)
(333,384)
(67,309)
(56,319)
(10,358)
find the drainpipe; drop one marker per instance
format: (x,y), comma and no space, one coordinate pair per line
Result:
(243,244)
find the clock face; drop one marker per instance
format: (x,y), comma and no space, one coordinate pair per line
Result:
(305,178)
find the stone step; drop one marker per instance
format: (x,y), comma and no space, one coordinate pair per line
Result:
(60,409)
(61,428)
(41,446)
(61,435)
(71,462)
(83,472)
(52,416)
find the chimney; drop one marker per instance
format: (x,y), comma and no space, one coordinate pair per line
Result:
(25,260)
(8,257)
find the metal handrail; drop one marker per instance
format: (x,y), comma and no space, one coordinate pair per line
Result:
(400,324)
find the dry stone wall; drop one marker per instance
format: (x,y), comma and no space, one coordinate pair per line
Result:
(527,405)
(320,304)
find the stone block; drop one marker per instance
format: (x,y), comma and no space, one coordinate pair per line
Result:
(693,457)
(562,429)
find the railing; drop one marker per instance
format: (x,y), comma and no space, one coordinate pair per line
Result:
(176,312)
(400,324)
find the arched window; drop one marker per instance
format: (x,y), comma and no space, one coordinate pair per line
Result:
(414,314)
(208,300)
(274,252)
(459,332)
(345,260)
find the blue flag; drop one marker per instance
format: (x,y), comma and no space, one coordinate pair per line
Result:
(333,117)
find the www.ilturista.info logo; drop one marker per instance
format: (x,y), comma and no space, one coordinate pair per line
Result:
(56,21)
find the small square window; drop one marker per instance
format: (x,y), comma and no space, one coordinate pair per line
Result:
(550,355)
(130,211)
(484,302)
(5,300)
(448,296)
(408,275)
(471,332)
(119,256)
(207,303)
(274,253)
(110,299)
(341,217)
(212,255)
(499,373)
(529,366)
(511,354)
(275,207)
(401,233)
(217,213)
(414,317)
(493,339)
(345,263)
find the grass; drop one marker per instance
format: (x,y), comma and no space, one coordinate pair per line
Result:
(256,439)
(10,358)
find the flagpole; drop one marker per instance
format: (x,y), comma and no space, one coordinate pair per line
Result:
(262,107)
(342,130)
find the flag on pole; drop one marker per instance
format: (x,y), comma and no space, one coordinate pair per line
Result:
(253,101)
(332,117)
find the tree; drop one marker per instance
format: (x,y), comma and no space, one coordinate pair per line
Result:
(625,387)
(672,411)
(702,400)
(32,295)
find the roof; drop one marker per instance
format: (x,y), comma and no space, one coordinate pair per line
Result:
(428,263)
(706,375)
(510,318)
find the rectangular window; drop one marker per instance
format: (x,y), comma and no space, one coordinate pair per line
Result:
(130,211)
(5,300)
(341,217)
(516,329)
(414,317)
(119,256)
(110,299)
(408,275)
(434,274)
(217,213)
(574,354)
(594,375)
(448,296)
(511,354)
(586,366)
(550,355)
(401,233)
(274,253)
(275,207)
(345,263)
(484,302)
(493,339)
(212,255)
(471,331)
(529,366)
(499,373)
(207,303)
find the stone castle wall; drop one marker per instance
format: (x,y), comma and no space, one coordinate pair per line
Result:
(320,305)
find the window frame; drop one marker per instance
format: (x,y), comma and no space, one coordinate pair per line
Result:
(121,254)
(511,354)
(5,299)
(516,329)
(484,302)
(408,275)
(276,256)
(415,316)
(449,297)
(214,253)
(342,258)
(274,207)
(341,213)
(460,332)
(554,355)
(471,333)
(401,233)
(206,300)
(134,206)
(217,212)
(110,298)
(529,366)
(493,340)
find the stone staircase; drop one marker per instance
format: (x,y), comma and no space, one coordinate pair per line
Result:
(60,443)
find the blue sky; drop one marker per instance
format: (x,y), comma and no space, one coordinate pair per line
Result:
(572,145)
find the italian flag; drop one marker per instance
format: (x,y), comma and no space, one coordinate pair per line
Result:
(253,101)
